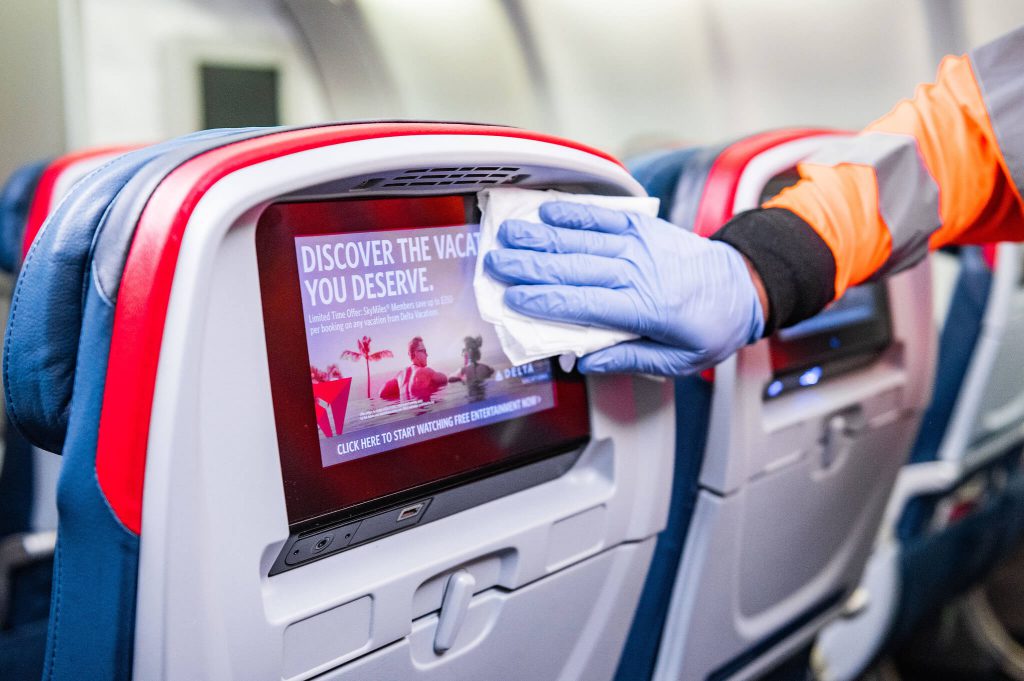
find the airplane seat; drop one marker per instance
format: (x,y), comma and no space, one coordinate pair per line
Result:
(939,564)
(675,177)
(24,585)
(756,578)
(15,475)
(956,510)
(951,538)
(660,174)
(28,478)
(15,204)
(223,515)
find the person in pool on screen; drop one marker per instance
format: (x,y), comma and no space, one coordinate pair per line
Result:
(473,373)
(417,381)
(944,167)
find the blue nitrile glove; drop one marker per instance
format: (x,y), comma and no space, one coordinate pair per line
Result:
(690,299)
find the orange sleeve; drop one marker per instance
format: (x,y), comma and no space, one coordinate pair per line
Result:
(930,172)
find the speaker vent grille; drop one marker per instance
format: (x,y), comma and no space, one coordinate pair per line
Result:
(440,177)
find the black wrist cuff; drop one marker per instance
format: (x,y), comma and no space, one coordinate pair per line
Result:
(796,265)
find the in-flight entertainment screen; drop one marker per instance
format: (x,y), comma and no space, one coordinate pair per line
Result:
(856,325)
(858,305)
(397,352)
(385,380)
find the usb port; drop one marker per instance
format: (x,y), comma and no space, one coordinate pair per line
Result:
(409,512)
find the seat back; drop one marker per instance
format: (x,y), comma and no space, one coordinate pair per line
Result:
(785,511)
(15,461)
(24,588)
(207,529)
(957,508)
(54,181)
(988,418)
(28,477)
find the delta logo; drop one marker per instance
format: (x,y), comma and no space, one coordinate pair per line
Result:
(331,400)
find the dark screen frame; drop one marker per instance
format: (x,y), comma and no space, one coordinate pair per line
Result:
(867,337)
(316,496)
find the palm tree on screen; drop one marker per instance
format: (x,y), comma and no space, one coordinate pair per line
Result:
(331,373)
(363,353)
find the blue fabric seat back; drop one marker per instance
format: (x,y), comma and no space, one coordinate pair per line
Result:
(23,634)
(659,174)
(16,473)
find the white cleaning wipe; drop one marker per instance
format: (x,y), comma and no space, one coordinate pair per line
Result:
(525,339)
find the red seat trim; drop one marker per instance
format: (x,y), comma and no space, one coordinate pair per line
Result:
(43,197)
(716,203)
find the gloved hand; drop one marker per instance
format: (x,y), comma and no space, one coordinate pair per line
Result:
(691,299)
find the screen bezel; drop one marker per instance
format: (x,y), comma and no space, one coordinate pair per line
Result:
(316,495)
(867,337)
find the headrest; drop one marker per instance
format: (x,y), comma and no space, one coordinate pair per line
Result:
(677,177)
(659,174)
(41,346)
(693,178)
(708,179)
(15,201)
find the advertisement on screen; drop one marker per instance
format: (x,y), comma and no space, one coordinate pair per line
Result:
(397,351)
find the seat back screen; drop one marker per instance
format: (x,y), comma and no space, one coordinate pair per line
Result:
(385,379)
(397,352)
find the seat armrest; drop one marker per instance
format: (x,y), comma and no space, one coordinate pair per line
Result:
(929,477)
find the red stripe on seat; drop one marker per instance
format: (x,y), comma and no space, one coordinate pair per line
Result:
(716,203)
(149,272)
(990,252)
(43,197)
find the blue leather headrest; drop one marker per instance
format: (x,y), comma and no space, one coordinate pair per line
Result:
(41,344)
(677,177)
(693,177)
(659,173)
(15,201)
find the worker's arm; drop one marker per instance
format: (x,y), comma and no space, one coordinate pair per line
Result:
(944,167)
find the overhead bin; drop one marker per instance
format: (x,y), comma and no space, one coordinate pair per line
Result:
(262,477)
(806,433)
